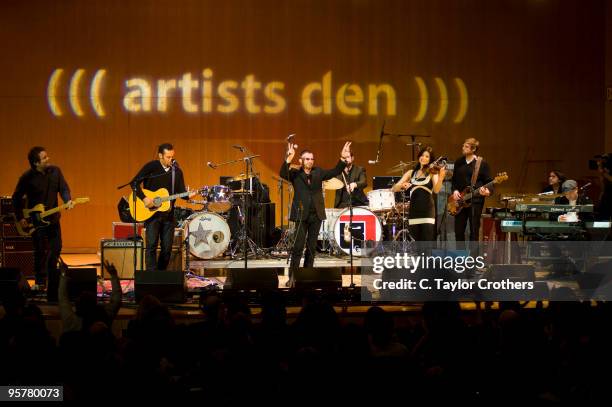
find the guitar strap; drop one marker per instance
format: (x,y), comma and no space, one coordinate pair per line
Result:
(173,176)
(476,171)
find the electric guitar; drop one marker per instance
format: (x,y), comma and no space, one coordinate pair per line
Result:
(36,216)
(161,200)
(455,206)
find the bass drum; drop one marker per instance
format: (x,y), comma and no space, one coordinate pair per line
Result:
(381,200)
(367,231)
(209,235)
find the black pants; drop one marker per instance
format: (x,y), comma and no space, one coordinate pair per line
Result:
(471,215)
(159,227)
(47,248)
(424,232)
(306,233)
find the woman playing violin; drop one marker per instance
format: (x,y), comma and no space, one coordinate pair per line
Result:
(422,182)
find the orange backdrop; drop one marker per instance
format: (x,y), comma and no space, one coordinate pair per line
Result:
(92,81)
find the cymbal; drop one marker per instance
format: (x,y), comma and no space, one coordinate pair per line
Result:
(333,183)
(401,167)
(241,177)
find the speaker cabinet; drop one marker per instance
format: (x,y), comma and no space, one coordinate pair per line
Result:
(167,286)
(80,279)
(521,272)
(121,254)
(264,278)
(311,278)
(10,279)
(18,253)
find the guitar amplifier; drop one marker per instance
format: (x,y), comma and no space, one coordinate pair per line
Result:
(9,230)
(125,230)
(120,253)
(18,253)
(6,206)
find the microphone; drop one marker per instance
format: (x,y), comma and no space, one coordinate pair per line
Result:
(413,144)
(211,165)
(372,162)
(584,186)
(174,163)
(289,137)
(237,147)
(546,193)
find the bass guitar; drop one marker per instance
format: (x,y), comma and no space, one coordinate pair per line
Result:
(455,206)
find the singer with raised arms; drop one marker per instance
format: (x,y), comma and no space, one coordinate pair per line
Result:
(163,172)
(308,207)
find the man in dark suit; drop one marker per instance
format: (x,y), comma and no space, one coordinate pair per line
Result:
(308,207)
(355,182)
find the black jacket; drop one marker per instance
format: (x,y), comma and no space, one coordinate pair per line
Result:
(38,188)
(306,195)
(357,175)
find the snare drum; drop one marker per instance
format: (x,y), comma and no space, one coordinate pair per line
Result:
(219,198)
(367,231)
(209,235)
(381,200)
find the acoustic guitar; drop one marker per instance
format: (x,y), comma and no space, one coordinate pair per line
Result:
(161,201)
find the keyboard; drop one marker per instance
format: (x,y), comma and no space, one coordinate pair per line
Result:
(548,208)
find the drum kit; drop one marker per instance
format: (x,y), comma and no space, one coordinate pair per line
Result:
(208,233)
(207,230)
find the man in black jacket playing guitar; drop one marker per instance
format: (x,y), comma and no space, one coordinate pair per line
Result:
(40,185)
(308,208)
(161,173)
(462,177)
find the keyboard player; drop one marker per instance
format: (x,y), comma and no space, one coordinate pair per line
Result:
(571,196)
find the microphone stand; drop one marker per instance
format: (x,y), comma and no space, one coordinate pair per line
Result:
(413,142)
(346,185)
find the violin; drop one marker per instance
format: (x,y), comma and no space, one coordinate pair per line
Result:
(436,166)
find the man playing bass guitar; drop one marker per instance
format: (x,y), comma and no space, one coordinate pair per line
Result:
(463,176)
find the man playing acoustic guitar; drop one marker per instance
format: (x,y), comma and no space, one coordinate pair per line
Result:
(40,185)
(161,173)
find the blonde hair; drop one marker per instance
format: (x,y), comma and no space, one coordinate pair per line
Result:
(474,144)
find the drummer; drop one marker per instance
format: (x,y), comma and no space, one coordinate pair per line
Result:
(354,182)
(422,182)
